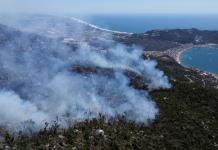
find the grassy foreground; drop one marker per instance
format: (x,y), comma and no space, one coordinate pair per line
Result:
(187,120)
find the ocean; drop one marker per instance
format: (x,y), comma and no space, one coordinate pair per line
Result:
(142,23)
(202,58)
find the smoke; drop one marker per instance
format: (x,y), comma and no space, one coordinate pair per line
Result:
(16,109)
(38,83)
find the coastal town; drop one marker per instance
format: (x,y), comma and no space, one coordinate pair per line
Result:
(77,84)
(175,53)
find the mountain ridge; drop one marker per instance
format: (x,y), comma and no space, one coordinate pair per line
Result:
(188,111)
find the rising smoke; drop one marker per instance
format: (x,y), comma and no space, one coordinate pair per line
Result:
(37,83)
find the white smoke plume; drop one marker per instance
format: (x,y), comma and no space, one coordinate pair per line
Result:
(14,109)
(37,83)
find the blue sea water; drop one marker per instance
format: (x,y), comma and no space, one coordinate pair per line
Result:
(202,58)
(142,23)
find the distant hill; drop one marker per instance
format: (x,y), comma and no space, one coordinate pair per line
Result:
(72,30)
(156,40)
(185,36)
(188,115)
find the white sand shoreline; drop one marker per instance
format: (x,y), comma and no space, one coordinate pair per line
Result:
(176,53)
(187,47)
(180,51)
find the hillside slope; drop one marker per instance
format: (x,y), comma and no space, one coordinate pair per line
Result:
(188,117)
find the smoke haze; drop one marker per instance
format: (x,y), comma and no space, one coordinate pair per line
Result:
(37,82)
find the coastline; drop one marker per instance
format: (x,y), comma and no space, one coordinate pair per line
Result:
(177,52)
(180,50)
(99,28)
(214,75)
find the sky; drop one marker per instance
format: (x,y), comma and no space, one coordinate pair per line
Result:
(110,6)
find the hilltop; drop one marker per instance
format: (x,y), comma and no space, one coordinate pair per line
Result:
(188,117)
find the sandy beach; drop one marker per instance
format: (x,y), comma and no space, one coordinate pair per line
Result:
(176,52)
(173,52)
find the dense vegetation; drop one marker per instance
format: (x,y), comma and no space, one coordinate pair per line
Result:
(185,36)
(187,120)
(160,40)
(188,117)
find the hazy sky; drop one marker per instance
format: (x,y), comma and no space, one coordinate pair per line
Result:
(111,6)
